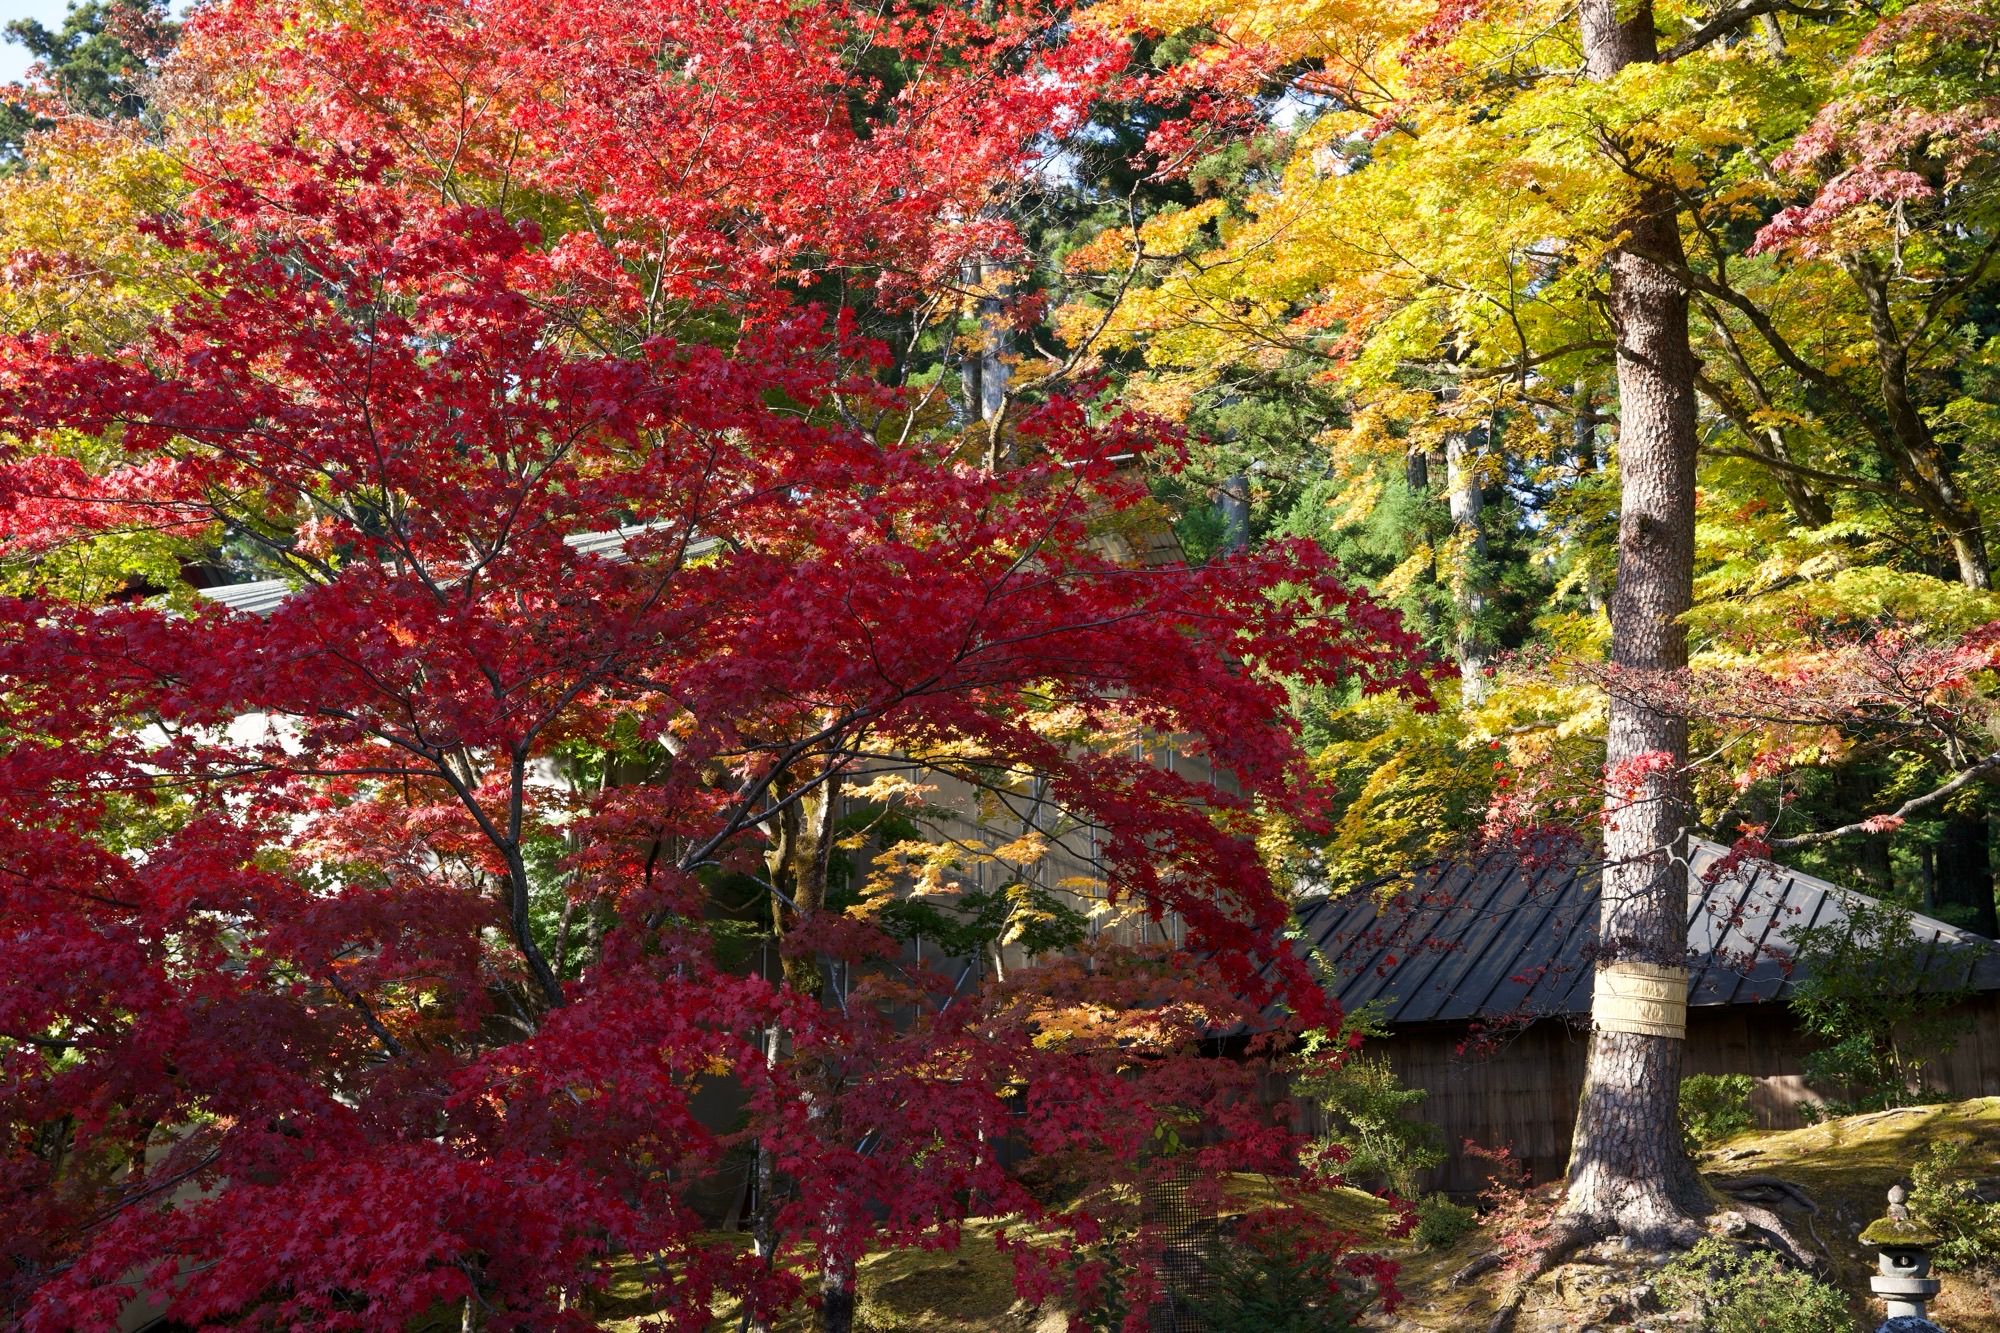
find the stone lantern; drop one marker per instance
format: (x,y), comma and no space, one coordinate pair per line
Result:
(1902,1278)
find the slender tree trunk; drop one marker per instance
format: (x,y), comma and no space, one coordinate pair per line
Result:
(800,858)
(983,373)
(764,1182)
(1232,502)
(1765,439)
(520,924)
(1583,444)
(560,963)
(1628,1169)
(1583,424)
(836,1296)
(1469,568)
(1964,872)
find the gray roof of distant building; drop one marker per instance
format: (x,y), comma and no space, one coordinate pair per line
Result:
(1497,936)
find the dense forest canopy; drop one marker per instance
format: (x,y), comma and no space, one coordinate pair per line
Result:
(1375,282)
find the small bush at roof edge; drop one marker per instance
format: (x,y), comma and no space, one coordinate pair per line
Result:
(1713,1107)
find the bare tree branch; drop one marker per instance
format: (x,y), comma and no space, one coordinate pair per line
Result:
(1729,20)
(1964,778)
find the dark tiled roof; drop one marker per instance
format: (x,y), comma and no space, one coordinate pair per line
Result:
(1496,938)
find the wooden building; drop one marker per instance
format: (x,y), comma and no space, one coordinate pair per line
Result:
(1483,971)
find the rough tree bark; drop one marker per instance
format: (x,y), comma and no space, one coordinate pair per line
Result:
(1628,1169)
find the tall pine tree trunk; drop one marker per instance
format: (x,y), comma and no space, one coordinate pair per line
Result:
(983,373)
(1628,1169)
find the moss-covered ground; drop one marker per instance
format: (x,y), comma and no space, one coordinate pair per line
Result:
(1844,1167)
(969,1289)
(1847,1166)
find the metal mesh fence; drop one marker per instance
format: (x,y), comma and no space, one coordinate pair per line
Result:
(1188,1232)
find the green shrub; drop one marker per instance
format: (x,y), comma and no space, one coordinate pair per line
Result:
(1739,1290)
(1440,1222)
(1880,1001)
(1368,1110)
(1714,1106)
(1274,1284)
(1942,1197)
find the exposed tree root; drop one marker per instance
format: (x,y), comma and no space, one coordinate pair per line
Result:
(1567,1235)
(1737,1187)
(1773,1227)
(1772,1184)
(1890,1114)
(1479,1267)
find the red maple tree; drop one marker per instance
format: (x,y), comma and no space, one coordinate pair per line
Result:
(285,1040)
(682,155)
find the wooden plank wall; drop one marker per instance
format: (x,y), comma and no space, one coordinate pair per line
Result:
(1523,1091)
